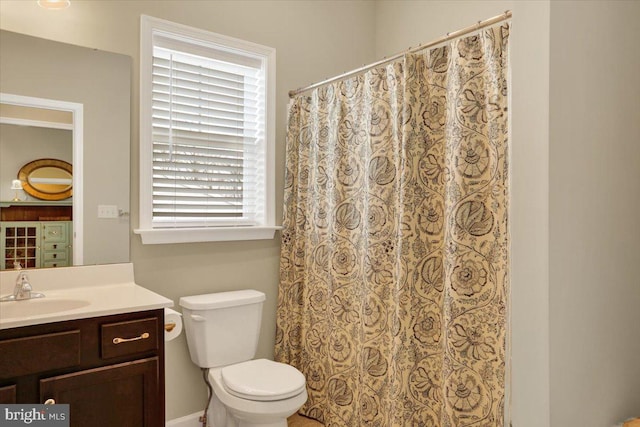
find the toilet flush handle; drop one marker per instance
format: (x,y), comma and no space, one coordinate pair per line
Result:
(197,318)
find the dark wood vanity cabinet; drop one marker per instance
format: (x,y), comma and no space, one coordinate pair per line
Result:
(110,370)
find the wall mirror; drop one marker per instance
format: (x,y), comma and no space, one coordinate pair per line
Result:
(47,179)
(76,106)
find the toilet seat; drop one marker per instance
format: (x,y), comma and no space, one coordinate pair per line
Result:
(262,380)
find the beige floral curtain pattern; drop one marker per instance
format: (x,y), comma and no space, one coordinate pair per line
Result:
(394,264)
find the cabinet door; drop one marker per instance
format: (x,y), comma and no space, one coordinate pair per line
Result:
(20,242)
(8,395)
(123,395)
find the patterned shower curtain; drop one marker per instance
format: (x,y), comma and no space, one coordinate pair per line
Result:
(394,288)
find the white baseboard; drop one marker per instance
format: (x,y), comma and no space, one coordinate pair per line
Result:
(191,420)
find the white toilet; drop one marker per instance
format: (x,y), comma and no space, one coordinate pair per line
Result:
(222,333)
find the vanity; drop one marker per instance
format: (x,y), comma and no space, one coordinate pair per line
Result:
(95,342)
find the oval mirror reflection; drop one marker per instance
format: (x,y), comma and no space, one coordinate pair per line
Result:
(47,179)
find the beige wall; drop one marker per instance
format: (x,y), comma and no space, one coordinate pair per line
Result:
(313,39)
(594,210)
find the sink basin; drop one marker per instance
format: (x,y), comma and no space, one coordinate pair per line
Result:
(38,306)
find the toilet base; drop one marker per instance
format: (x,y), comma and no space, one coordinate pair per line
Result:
(226,410)
(221,416)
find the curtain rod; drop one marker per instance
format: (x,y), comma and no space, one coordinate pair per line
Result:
(479,25)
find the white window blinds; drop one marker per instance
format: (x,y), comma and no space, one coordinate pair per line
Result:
(208,135)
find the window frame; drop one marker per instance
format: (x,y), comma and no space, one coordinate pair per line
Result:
(149,234)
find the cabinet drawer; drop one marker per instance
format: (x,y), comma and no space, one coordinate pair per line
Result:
(56,232)
(134,336)
(54,264)
(39,353)
(53,246)
(54,256)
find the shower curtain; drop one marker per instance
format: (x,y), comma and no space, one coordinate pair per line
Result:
(393,289)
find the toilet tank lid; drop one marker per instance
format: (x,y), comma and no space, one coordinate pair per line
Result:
(222,299)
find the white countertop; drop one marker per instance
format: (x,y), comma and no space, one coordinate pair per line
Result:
(76,293)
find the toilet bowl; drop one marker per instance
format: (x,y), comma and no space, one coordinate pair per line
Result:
(255,393)
(222,334)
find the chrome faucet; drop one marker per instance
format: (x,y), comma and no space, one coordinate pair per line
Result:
(22,290)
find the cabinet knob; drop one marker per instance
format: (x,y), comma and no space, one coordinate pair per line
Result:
(50,402)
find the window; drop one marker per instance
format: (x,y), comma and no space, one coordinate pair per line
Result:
(206,136)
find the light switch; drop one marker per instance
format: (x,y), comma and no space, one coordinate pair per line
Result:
(107,211)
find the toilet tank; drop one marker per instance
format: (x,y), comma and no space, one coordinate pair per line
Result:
(222,328)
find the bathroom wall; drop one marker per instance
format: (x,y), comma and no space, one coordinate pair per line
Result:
(594,209)
(314,40)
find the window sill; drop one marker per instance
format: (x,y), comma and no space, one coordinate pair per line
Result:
(193,235)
